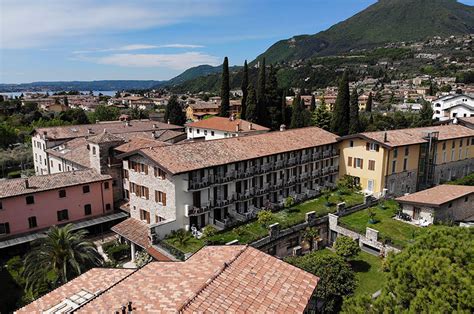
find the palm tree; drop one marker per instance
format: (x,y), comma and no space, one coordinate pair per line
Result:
(60,256)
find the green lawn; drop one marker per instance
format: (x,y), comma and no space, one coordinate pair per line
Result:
(369,274)
(253,231)
(397,232)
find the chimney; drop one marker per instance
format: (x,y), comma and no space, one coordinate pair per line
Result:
(385,139)
(89,131)
(155,126)
(250,126)
(168,121)
(282,128)
(127,123)
(27,183)
(153,134)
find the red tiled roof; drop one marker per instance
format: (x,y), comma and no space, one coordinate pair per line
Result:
(93,281)
(437,195)
(227,125)
(416,135)
(215,279)
(15,187)
(134,230)
(139,143)
(197,155)
(74,150)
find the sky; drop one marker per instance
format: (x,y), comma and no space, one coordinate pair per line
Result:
(83,40)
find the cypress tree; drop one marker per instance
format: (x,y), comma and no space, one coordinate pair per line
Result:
(298,116)
(341,114)
(284,116)
(225,90)
(313,103)
(273,101)
(321,116)
(174,113)
(261,88)
(251,105)
(354,123)
(368,106)
(244,87)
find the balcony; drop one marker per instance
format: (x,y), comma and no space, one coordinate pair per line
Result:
(191,210)
(202,183)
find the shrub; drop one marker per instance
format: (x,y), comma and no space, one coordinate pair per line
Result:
(265,217)
(346,247)
(118,252)
(142,258)
(209,231)
(289,201)
(181,236)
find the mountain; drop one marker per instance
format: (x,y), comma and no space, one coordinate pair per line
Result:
(197,71)
(383,22)
(106,85)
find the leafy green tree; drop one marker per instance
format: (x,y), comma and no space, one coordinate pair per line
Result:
(264,217)
(368,106)
(433,275)
(74,116)
(426,114)
(244,87)
(261,94)
(105,113)
(174,113)
(321,116)
(298,113)
(251,114)
(62,255)
(309,235)
(354,123)
(312,106)
(8,135)
(346,247)
(225,90)
(337,280)
(341,114)
(209,231)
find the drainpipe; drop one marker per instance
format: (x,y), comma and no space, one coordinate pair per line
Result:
(102,196)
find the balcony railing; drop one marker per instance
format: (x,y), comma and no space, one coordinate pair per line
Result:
(191,210)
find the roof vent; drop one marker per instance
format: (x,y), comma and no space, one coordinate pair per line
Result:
(155,126)
(168,121)
(89,131)
(127,123)
(250,126)
(27,183)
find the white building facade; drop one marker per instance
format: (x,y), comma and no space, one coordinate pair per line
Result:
(452,107)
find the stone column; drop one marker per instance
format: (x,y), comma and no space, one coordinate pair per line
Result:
(132,251)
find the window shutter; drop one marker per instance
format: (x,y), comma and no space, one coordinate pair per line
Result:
(147,215)
(361,163)
(367,146)
(349,161)
(147,195)
(163,196)
(156,196)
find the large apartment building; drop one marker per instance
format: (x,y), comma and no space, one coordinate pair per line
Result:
(405,161)
(225,181)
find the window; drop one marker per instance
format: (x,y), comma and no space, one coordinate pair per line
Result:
(460,142)
(205,132)
(106,185)
(32,222)
(62,193)
(450,205)
(405,163)
(444,156)
(160,173)
(1,206)
(59,166)
(138,167)
(394,166)
(86,189)
(453,144)
(125,173)
(144,215)
(4,228)
(93,150)
(444,145)
(373,147)
(52,165)
(30,199)
(108,206)
(190,130)
(63,215)
(395,153)
(349,161)
(160,197)
(407,150)
(466,198)
(198,130)
(351,144)
(358,163)
(212,133)
(87,209)
(452,155)
(460,153)
(371,164)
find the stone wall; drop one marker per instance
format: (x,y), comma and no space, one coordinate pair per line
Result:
(400,183)
(451,170)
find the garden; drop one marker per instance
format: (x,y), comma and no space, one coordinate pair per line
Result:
(380,218)
(258,228)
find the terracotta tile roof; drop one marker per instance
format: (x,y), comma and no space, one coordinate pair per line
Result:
(139,143)
(228,125)
(15,187)
(189,156)
(404,137)
(94,281)
(167,135)
(437,195)
(468,120)
(134,230)
(205,105)
(104,137)
(115,127)
(215,279)
(74,150)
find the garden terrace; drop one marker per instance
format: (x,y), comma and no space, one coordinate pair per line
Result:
(253,230)
(396,232)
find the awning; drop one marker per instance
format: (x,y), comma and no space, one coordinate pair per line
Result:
(25,238)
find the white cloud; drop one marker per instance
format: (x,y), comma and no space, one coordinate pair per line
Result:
(30,23)
(179,61)
(133,47)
